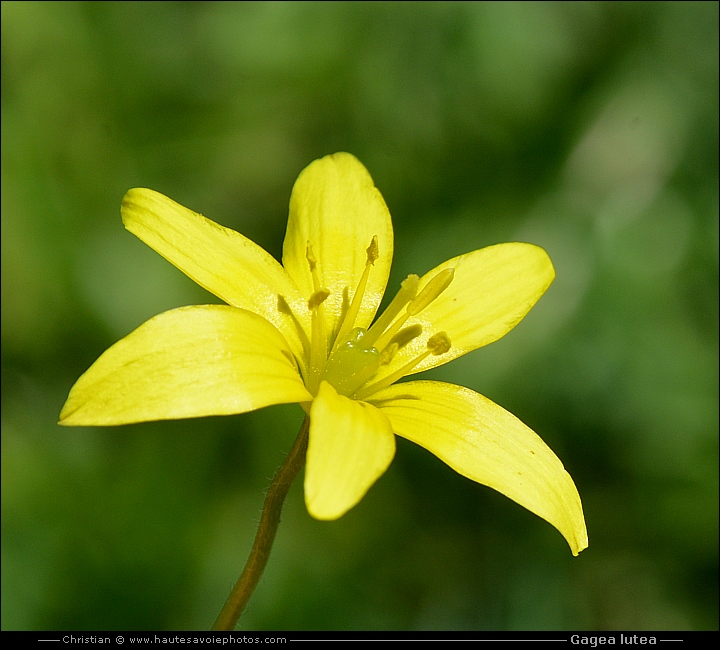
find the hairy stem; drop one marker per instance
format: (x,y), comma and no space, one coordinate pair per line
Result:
(269,520)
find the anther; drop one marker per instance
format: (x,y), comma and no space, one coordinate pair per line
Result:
(283,306)
(372,250)
(310,256)
(405,335)
(388,354)
(439,343)
(431,291)
(317,299)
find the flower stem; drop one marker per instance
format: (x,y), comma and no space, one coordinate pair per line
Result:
(269,520)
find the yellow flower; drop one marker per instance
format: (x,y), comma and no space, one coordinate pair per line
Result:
(303,332)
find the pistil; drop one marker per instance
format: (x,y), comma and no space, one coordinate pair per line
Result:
(352,364)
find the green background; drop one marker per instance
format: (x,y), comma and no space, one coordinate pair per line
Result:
(587,128)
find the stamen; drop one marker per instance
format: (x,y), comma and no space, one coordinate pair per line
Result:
(437,344)
(318,344)
(408,291)
(430,292)
(284,308)
(312,262)
(343,311)
(348,322)
(318,331)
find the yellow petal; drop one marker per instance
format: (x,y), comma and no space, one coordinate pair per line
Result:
(351,445)
(336,207)
(482,441)
(492,290)
(221,260)
(188,362)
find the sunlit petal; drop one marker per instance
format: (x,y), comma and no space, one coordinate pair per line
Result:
(336,207)
(351,445)
(188,362)
(482,441)
(219,259)
(491,291)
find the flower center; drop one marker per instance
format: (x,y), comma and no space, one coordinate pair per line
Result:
(349,359)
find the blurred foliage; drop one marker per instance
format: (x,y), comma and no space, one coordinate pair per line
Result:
(588,128)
